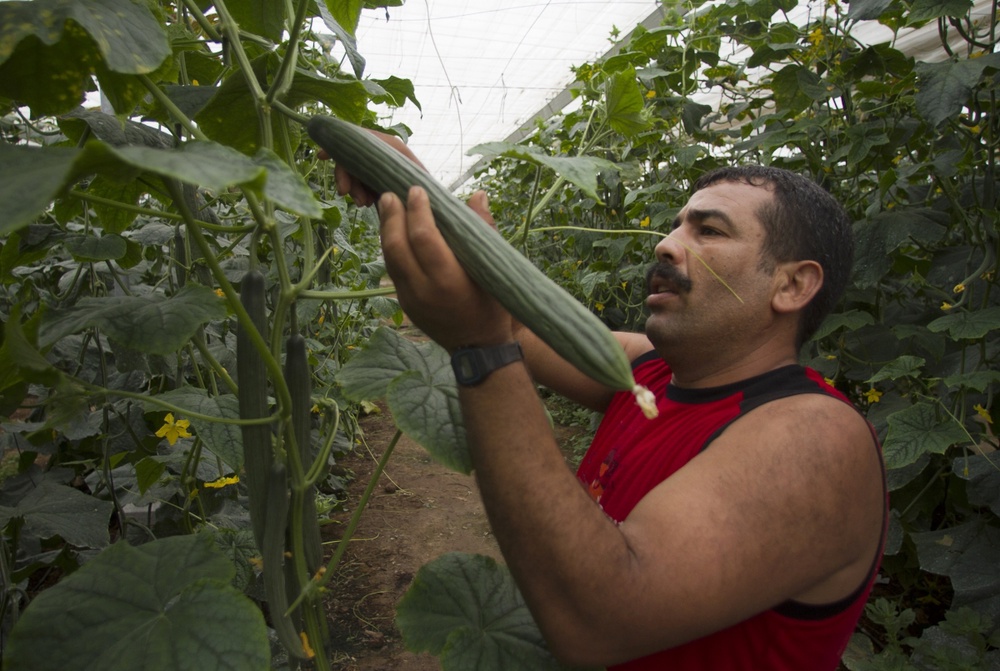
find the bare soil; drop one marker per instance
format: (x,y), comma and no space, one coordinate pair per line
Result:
(418,511)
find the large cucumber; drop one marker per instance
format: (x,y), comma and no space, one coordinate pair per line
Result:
(252,395)
(537,302)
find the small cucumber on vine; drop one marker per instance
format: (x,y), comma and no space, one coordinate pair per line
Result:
(298,377)
(273,555)
(252,395)
(544,307)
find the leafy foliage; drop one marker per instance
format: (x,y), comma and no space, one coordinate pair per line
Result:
(128,230)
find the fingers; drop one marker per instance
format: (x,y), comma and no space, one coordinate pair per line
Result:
(414,239)
(347,184)
(480,204)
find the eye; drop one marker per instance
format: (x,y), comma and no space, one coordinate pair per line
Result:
(708,230)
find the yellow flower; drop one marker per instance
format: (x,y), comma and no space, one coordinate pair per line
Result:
(830,357)
(172,430)
(257,563)
(305,645)
(873,395)
(220,293)
(946,306)
(959,288)
(830,381)
(650,93)
(816,36)
(644,223)
(599,306)
(222,482)
(983,412)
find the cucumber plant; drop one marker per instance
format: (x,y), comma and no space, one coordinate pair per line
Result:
(186,260)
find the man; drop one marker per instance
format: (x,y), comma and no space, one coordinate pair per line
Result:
(742,528)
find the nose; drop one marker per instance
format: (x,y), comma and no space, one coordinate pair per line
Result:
(669,249)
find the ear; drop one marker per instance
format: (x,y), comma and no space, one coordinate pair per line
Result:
(796,282)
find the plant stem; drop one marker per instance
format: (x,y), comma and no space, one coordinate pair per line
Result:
(205,24)
(352,524)
(287,69)
(346,295)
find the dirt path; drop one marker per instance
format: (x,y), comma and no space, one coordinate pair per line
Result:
(419,511)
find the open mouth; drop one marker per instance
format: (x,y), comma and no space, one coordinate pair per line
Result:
(664,278)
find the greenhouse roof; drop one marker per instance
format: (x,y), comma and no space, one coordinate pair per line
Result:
(483,69)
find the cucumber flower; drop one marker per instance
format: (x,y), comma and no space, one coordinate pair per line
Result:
(172,430)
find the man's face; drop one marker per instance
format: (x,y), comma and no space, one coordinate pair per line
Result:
(716,241)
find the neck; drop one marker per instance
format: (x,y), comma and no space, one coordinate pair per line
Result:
(711,369)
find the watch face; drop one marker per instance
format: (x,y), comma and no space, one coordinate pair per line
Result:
(467,366)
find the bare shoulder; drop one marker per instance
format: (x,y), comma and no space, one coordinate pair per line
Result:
(791,493)
(815,439)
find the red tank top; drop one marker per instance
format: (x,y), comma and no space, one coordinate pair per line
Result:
(630,455)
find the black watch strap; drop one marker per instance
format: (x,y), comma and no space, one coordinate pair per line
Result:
(472,365)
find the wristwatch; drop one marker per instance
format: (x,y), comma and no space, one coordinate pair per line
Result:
(472,365)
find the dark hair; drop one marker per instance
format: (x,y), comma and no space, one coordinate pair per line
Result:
(801,222)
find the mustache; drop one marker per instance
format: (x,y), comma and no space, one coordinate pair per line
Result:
(669,273)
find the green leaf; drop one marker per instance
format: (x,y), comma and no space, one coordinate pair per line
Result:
(51,510)
(153,324)
(967,325)
(928,10)
(982,476)
(261,17)
(163,606)
(877,237)
(367,374)
(787,85)
(147,473)
(944,88)
(417,381)
(864,138)
(624,104)
(32,180)
(978,380)
(426,409)
(114,219)
(467,610)
(346,98)
(851,320)
(395,91)
(967,554)
(342,20)
(50,48)
(346,13)
(904,366)
(286,187)
(20,360)
(206,164)
(112,129)
(579,170)
(87,248)
(691,117)
(916,431)
(867,10)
